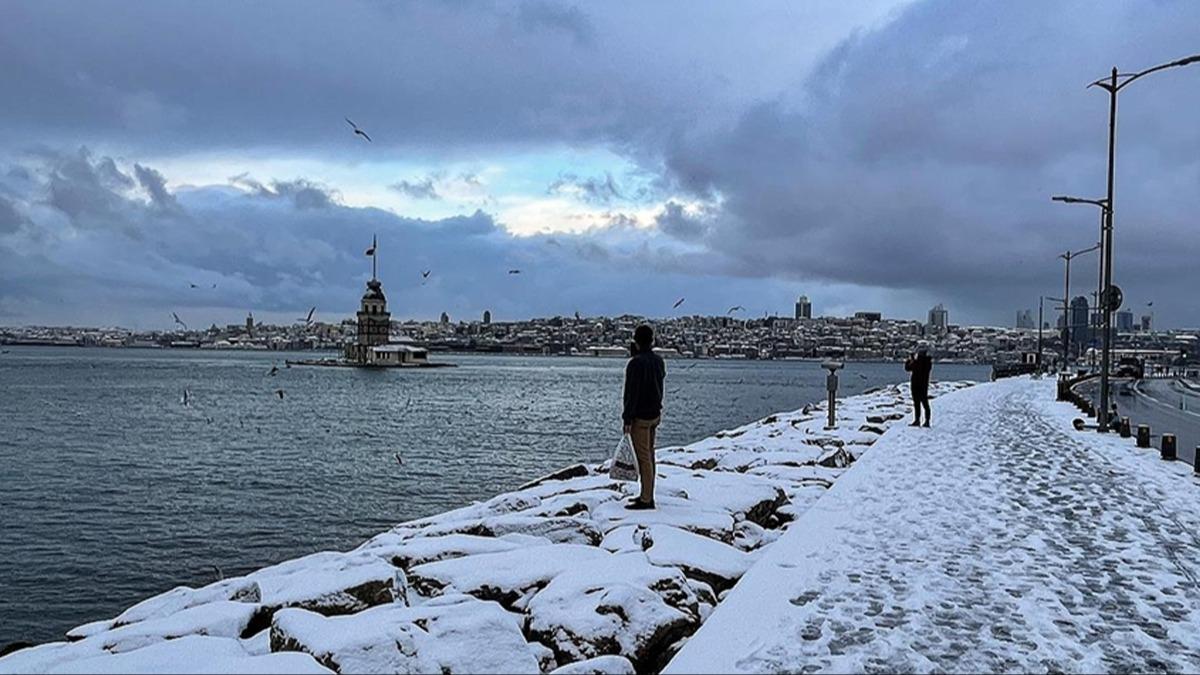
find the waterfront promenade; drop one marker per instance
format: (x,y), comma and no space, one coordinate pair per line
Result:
(998,540)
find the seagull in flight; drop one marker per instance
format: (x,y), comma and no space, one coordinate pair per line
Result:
(308,319)
(274,369)
(425,274)
(279,393)
(514,271)
(193,285)
(735,308)
(678,303)
(178,320)
(357,131)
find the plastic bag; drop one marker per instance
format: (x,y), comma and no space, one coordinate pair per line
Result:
(624,462)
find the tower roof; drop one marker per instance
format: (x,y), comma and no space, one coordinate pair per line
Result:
(374,291)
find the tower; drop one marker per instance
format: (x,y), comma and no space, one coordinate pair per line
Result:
(374,320)
(487,317)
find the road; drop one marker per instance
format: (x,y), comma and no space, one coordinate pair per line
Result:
(1168,406)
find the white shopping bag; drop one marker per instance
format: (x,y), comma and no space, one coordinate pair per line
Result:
(624,462)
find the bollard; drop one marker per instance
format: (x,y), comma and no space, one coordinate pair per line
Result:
(1168,447)
(1143,436)
(1124,428)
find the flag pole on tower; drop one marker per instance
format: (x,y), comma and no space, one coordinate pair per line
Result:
(371,253)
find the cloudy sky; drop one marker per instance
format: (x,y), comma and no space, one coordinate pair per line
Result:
(882,155)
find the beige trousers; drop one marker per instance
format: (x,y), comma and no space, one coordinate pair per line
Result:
(642,433)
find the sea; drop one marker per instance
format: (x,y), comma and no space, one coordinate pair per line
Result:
(112,488)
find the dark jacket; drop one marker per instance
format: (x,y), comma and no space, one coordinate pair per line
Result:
(920,367)
(644,375)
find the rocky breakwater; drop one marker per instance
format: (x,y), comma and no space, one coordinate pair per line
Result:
(556,576)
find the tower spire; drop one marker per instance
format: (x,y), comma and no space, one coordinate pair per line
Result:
(374,255)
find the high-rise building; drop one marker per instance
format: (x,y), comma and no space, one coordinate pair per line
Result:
(1025,319)
(803,308)
(1147,323)
(487,317)
(1124,321)
(1081,330)
(445,318)
(939,320)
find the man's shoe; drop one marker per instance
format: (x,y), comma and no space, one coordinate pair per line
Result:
(915,424)
(639,505)
(926,425)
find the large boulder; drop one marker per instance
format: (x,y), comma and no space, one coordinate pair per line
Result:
(410,552)
(451,634)
(687,514)
(189,654)
(601,665)
(328,583)
(619,605)
(717,564)
(505,577)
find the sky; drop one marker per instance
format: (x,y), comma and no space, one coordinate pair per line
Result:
(885,155)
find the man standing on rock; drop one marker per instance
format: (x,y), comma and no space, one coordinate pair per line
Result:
(920,365)
(644,375)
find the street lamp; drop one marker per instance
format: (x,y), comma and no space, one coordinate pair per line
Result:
(1103,204)
(1113,85)
(1068,257)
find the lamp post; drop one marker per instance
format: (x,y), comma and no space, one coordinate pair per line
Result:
(1103,205)
(1068,257)
(1113,85)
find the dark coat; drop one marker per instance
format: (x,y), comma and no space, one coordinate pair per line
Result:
(644,375)
(920,366)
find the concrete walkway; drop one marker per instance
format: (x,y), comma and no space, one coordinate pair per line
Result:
(998,540)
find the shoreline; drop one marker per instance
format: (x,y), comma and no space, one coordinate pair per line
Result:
(724,500)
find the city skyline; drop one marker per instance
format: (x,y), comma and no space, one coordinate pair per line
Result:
(848,166)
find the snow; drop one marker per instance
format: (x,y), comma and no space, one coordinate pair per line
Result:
(191,654)
(998,540)
(556,573)
(452,634)
(502,576)
(621,603)
(601,665)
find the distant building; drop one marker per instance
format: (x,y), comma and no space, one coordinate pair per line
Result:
(1147,323)
(1124,321)
(939,320)
(1081,330)
(250,323)
(487,317)
(803,308)
(1025,319)
(445,318)
(874,317)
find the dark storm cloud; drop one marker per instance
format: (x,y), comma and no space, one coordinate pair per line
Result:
(156,186)
(915,160)
(280,246)
(923,157)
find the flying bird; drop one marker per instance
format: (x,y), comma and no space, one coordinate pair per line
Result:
(678,303)
(514,271)
(178,320)
(425,274)
(399,459)
(193,285)
(187,398)
(735,308)
(308,319)
(357,131)
(279,393)
(273,371)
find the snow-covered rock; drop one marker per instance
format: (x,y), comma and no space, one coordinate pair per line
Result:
(190,654)
(451,634)
(621,604)
(505,577)
(410,552)
(601,665)
(709,521)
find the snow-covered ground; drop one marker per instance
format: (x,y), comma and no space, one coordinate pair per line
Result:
(1000,540)
(557,574)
